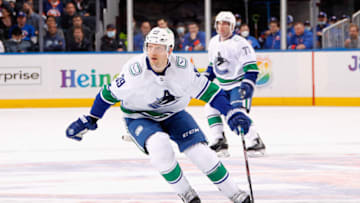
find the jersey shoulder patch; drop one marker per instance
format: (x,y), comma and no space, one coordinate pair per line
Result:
(135,69)
(181,62)
(236,38)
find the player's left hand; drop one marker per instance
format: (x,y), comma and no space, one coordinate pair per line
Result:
(236,119)
(246,90)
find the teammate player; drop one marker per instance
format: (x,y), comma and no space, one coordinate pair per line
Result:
(233,64)
(154,88)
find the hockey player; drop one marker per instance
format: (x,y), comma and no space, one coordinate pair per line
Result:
(154,88)
(233,64)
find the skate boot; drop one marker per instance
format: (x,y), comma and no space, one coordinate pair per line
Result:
(257,148)
(221,147)
(190,196)
(241,197)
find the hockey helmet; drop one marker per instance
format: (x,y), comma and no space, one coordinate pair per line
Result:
(163,36)
(226,16)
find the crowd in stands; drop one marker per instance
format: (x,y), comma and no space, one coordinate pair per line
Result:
(69,25)
(299,34)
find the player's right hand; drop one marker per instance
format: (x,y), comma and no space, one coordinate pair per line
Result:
(81,126)
(237,119)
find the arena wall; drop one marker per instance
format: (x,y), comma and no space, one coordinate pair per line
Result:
(302,78)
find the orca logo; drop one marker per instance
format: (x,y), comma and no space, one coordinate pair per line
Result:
(166,100)
(219,60)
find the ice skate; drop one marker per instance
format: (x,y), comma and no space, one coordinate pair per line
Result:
(241,197)
(221,147)
(257,148)
(190,196)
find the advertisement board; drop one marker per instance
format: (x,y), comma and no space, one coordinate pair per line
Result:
(286,78)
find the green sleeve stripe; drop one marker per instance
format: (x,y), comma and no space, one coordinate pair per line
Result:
(226,81)
(214,120)
(173,175)
(106,94)
(218,174)
(250,67)
(209,93)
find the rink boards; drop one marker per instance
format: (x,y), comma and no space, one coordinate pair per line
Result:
(301,78)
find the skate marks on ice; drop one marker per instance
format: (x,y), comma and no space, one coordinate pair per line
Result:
(276,178)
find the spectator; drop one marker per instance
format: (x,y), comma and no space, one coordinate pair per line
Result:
(2,48)
(78,23)
(80,43)
(245,32)
(28,30)
(110,41)
(12,4)
(307,26)
(353,42)
(180,30)
(6,22)
(322,23)
(332,20)
(290,26)
(69,13)
(53,8)
(162,23)
(344,16)
(237,23)
(52,40)
(4,4)
(52,20)
(82,7)
(272,41)
(16,42)
(140,37)
(302,38)
(33,18)
(194,40)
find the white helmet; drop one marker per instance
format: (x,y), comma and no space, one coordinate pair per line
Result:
(226,16)
(163,36)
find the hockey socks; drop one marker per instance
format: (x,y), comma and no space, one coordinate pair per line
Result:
(207,161)
(175,177)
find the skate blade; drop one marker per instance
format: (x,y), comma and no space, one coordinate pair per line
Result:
(126,138)
(257,153)
(223,153)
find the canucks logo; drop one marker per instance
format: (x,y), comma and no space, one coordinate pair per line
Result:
(219,60)
(166,100)
(264,77)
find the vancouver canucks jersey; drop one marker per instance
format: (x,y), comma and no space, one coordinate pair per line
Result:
(231,59)
(146,94)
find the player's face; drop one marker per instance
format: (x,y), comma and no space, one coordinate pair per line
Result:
(223,29)
(158,56)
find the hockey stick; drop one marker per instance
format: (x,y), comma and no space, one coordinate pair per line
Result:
(247,164)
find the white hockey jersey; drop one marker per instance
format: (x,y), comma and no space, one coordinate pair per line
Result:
(146,94)
(230,60)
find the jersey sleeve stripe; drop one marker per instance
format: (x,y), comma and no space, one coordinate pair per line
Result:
(210,92)
(206,85)
(107,96)
(252,67)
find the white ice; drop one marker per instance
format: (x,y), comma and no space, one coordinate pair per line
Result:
(313,155)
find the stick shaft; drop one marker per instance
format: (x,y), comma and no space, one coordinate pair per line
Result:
(247,166)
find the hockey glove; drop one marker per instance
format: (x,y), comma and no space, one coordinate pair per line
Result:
(81,126)
(246,90)
(236,118)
